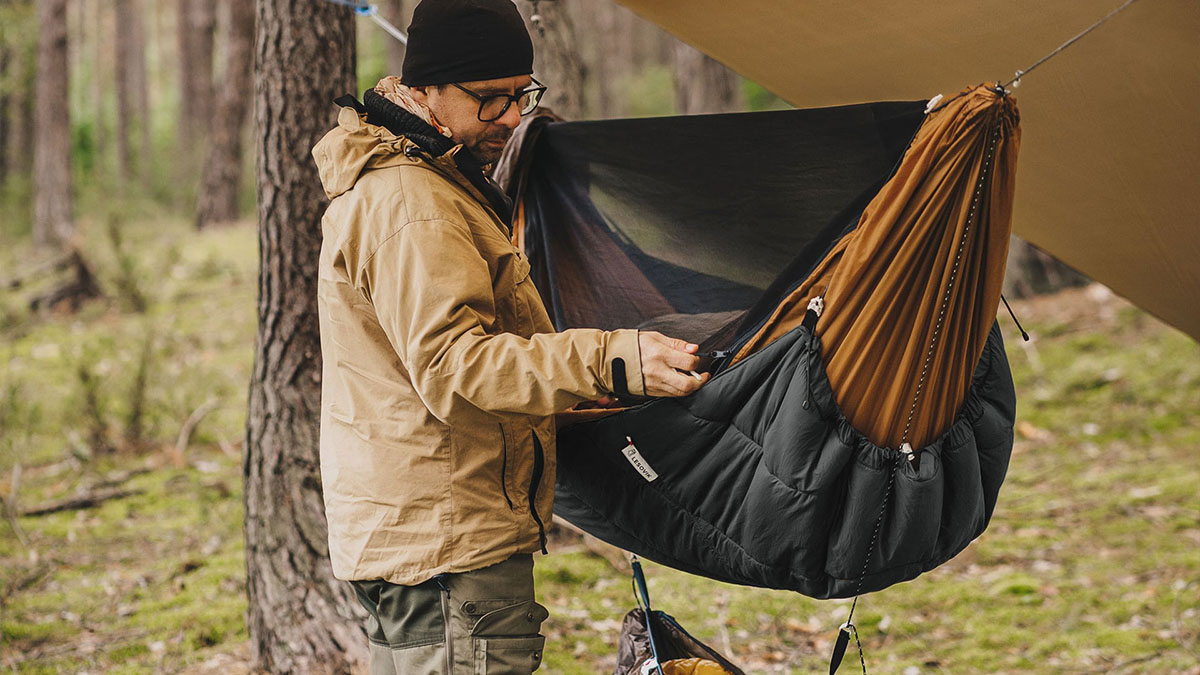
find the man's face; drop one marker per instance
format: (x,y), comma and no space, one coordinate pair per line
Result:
(459,111)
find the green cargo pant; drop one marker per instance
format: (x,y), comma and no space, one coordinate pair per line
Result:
(473,623)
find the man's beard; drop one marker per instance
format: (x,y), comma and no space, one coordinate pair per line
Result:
(485,149)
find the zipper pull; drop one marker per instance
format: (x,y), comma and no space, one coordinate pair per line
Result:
(839,647)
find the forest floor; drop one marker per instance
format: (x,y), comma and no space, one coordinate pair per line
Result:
(1091,563)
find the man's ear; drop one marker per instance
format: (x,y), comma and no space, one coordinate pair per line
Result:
(420,94)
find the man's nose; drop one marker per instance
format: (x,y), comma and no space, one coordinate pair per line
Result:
(511,117)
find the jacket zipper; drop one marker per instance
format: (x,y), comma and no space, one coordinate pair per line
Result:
(504,468)
(539,465)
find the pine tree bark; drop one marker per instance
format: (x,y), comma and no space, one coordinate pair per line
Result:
(222,175)
(301,620)
(704,85)
(53,224)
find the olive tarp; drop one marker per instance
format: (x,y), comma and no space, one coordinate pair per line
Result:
(720,229)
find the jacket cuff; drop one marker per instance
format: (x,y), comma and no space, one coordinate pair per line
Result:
(625,363)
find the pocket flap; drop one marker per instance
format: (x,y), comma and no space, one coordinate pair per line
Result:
(499,618)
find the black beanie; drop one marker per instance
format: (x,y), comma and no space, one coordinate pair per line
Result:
(464,41)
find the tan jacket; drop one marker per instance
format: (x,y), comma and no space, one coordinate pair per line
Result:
(441,368)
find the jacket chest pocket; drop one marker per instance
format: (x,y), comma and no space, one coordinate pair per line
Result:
(512,294)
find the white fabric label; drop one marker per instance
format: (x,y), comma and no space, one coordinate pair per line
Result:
(638,462)
(649,666)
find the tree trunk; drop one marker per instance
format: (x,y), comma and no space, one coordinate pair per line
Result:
(399,14)
(704,85)
(196,21)
(133,110)
(1031,271)
(300,618)
(23,69)
(5,105)
(223,169)
(606,53)
(93,59)
(557,59)
(52,219)
(132,107)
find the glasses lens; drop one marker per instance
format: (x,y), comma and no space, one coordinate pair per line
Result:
(493,107)
(529,101)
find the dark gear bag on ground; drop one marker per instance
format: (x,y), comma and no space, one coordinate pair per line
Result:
(663,647)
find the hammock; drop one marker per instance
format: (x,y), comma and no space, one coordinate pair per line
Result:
(832,452)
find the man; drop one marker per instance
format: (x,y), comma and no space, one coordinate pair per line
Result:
(441,368)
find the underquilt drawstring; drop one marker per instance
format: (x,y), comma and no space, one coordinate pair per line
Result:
(1024,335)
(848,628)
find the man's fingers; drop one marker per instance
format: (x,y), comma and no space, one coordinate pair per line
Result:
(682,361)
(676,353)
(671,343)
(668,365)
(671,382)
(682,345)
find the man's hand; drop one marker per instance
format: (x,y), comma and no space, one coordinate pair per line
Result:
(668,364)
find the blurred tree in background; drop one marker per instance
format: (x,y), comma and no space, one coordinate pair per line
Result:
(133,102)
(53,221)
(222,176)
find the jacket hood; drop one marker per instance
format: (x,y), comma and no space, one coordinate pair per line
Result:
(352,147)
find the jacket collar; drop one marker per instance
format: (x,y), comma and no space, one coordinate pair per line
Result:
(401,122)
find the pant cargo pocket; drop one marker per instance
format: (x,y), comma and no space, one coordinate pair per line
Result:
(508,655)
(504,634)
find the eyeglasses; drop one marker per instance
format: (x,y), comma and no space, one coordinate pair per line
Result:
(493,106)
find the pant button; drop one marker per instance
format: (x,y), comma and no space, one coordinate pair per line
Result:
(529,616)
(469,608)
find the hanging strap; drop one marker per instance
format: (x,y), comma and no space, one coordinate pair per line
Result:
(1015,82)
(372,13)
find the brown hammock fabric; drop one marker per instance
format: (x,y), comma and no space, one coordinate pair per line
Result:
(912,292)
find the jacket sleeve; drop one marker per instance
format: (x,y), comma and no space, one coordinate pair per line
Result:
(432,293)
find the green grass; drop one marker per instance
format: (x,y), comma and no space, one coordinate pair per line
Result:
(157,577)
(1091,564)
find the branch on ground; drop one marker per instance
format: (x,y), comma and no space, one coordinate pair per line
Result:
(84,501)
(79,286)
(189,426)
